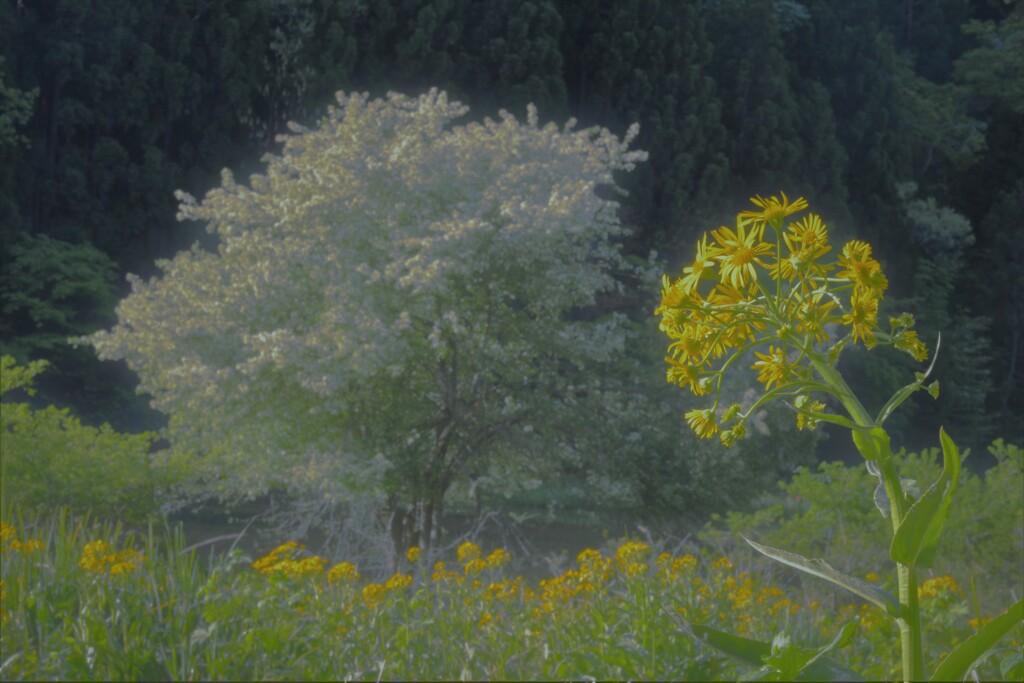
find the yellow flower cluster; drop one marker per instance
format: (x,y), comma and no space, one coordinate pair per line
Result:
(281,561)
(939,586)
(99,558)
(375,593)
(743,290)
(9,541)
(671,568)
(344,572)
(442,574)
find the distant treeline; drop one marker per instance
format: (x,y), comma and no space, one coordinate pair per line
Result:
(900,120)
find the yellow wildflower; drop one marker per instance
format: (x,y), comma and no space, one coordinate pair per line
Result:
(938,585)
(413,554)
(721,563)
(398,582)
(498,558)
(374,594)
(702,422)
(702,266)
(475,566)
(441,574)
(28,547)
(907,340)
(686,376)
(631,551)
(343,571)
(808,231)
(467,551)
(977,623)
(773,367)
(773,210)
(739,252)
(863,270)
(863,317)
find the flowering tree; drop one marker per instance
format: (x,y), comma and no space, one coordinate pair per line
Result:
(394,304)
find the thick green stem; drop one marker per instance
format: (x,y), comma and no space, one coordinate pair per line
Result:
(910,621)
(878,450)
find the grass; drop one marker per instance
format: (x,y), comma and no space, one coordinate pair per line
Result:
(143,607)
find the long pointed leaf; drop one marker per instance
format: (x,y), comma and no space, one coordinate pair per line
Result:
(743,650)
(822,569)
(754,652)
(915,542)
(955,666)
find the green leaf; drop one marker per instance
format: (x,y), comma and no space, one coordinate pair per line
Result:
(873,443)
(915,542)
(956,665)
(756,653)
(1012,667)
(822,569)
(743,650)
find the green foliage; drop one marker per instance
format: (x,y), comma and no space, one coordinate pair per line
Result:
(995,68)
(51,459)
(67,616)
(828,513)
(15,111)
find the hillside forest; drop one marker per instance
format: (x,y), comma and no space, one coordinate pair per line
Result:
(899,121)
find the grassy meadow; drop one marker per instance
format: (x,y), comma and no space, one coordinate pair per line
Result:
(84,600)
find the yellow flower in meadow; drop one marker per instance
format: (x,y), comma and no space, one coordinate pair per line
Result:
(7,532)
(498,558)
(976,623)
(467,551)
(475,566)
(413,553)
(773,368)
(374,594)
(631,552)
(739,252)
(702,421)
(398,582)
(28,547)
(281,561)
(721,563)
(441,574)
(98,558)
(938,586)
(343,571)
(636,569)
(871,576)
(773,210)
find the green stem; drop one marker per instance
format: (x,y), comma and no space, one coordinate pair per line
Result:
(910,621)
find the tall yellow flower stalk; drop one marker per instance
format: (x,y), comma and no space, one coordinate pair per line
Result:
(771,288)
(775,287)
